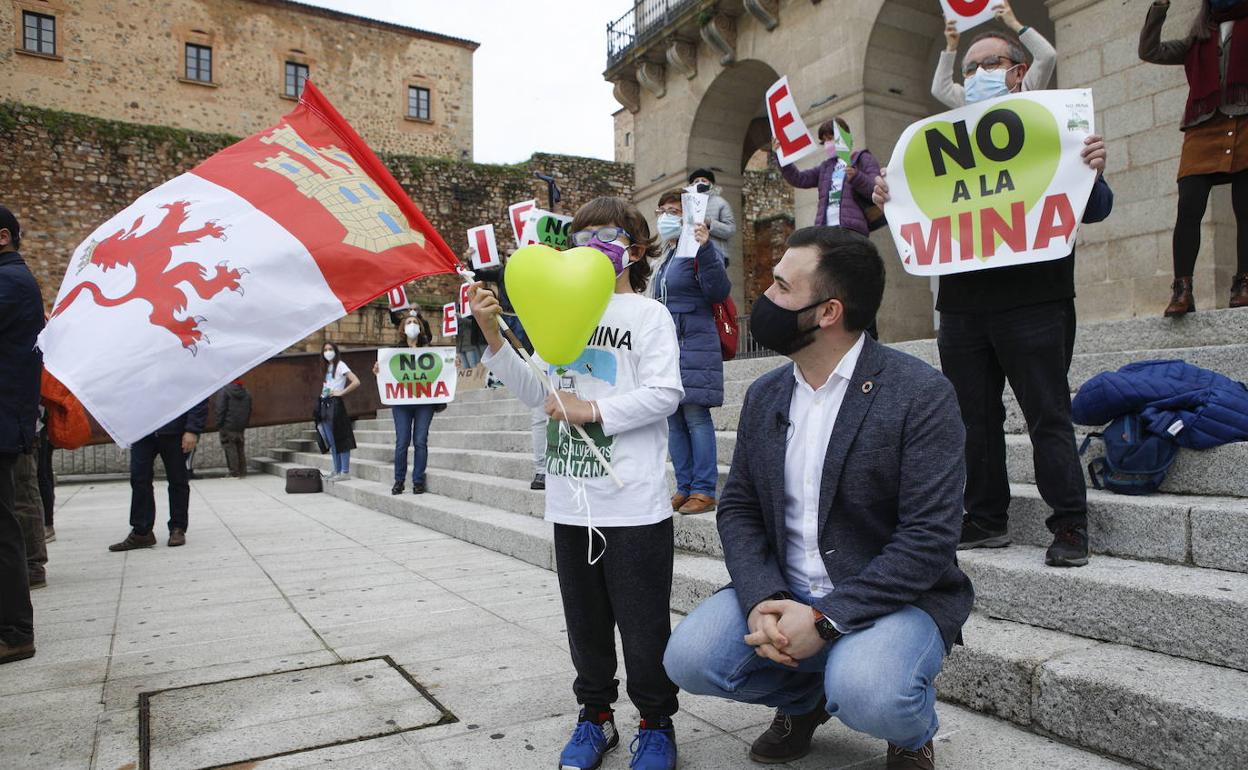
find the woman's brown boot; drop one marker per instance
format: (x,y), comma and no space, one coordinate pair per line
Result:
(1239,290)
(1181,301)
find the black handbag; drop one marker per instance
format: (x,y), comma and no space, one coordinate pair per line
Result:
(302,480)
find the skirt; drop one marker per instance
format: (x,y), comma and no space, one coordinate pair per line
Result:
(1217,146)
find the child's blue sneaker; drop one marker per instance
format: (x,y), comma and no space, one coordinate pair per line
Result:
(590,742)
(654,748)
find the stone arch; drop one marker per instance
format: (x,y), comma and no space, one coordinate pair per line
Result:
(902,50)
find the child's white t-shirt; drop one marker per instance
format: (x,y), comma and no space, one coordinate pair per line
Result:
(631,368)
(335,378)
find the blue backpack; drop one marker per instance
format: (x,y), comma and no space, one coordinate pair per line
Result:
(1135,462)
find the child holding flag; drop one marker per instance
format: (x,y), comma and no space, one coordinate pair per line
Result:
(613,544)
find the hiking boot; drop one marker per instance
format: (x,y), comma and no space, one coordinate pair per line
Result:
(976,535)
(12,652)
(177,537)
(788,738)
(678,500)
(49,535)
(1239,290)
(919,759)
(539,482)
(1069,549)
(133,541)
(38,580)
(698,503)
(590,742)
(1181,299)
(397,489)
(654,748)
(418,489)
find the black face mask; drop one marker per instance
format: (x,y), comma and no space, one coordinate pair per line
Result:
(703,187)
(776,328)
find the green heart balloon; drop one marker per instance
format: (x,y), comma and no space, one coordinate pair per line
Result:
(995,184)
(560,297)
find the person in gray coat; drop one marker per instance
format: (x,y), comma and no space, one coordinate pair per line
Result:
(233,414)
(719,217)
(839,521)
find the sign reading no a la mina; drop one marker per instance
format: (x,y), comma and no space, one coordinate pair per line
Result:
(993,184)
(416,375)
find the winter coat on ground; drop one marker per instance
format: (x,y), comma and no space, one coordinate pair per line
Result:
(1198,408)
(689,298)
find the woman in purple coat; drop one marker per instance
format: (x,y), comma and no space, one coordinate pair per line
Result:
(689,287)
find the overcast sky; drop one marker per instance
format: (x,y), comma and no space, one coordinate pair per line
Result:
(537,77)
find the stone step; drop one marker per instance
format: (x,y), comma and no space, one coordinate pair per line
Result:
(1204,531)
(1189,612)
(1153,709)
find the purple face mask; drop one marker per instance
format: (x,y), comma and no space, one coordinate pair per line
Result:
(614,251)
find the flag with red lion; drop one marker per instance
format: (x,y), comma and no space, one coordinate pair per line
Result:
(216,270)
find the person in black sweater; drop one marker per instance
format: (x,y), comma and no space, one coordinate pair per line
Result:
(1018,324)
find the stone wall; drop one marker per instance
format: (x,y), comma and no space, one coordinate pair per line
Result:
(68,173)
(766,221)
(125,60)
(110,458)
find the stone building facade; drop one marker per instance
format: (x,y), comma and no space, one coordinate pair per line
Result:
(692,76)
(235,67)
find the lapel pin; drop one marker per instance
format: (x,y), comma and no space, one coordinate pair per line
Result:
(867,386)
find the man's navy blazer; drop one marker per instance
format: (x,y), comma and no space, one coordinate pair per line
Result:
(890,502)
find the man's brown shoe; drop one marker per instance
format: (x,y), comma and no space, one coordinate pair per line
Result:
(678,500)
(1239,290)
(788,738)
(698,503)
(920,759)
(10,652)
(177,537)
(133,541)
(1181,299)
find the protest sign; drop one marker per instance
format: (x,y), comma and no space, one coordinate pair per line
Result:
(398,298)
(416,375)
(518,214)
(463,309)
(475,378)
(484,247)
(693,205)
(787,125)
(546,227)
(969,13)
(450,320)
(992,184)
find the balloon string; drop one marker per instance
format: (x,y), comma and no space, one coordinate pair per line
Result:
(578,494)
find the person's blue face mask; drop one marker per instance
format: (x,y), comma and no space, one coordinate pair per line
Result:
(669,227)
(986,84)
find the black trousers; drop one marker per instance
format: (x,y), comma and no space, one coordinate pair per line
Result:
(142,467)
(629,587)
(47,481)
(17,617)
(1031,347)
(1193,199)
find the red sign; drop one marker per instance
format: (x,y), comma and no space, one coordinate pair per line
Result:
(450,323)
(787,126)
(481,241)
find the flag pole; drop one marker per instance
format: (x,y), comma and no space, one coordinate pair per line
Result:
(470,279)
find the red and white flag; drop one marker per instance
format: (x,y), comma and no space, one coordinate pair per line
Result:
(216,270)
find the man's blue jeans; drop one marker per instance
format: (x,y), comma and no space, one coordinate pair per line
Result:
(691,443)
(411,426)
(878,681)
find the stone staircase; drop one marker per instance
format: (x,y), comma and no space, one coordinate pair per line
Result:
(1142,655)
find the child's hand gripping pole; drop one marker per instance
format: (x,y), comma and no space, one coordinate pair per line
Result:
(542,377)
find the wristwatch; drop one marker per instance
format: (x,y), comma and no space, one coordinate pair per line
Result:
(827,631)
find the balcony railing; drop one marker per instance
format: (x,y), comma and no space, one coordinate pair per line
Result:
(646,20)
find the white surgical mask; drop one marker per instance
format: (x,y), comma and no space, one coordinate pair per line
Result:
(986,84)
(669,226)
(329,355)
(412,331)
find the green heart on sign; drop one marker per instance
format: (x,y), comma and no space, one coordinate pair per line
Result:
(560,297)
(988,183)
(411,367)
